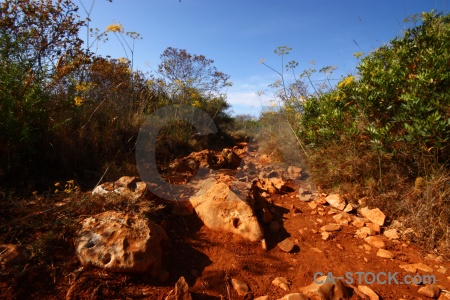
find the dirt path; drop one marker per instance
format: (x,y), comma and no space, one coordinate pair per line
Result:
(209,259)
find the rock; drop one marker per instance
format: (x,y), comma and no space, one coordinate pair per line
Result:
(130,187)
(364,232)
(349,207)
(312,205)
(287,245)
(294,296)
(374,215)
(342,218)
(181,291)
(306,198)
(385,254)
(294,172)
(271,185)
(367,247)
(122,242)
(221,209)
(336,201)
(321,201)
(240,287)
(391,234)
(375,241)
(442,270)
(262,298)
(325,236)
(434,257)
(182,208)
(374,227)
(282,282)
(331,227)
(11,255)
(358,222)
(423,267)
(430,291)
(326,288)
(368,292)
(409,268)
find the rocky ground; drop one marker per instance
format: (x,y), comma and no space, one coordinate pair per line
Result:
(213,245)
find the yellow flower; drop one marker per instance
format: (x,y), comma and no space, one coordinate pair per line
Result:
(123,60)
(346,81)
(83,87)
(78,100)
(196,103)
(115,28)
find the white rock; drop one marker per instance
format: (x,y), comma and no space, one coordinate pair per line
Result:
(391,234)
(336,201)
(374,215)
(385,254)
(240,287)
(221,209)
(282,282)
(375,241)
(121,242)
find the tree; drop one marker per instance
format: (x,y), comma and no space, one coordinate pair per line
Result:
(190,73)
(44,31)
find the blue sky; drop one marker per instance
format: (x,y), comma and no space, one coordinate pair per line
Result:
(237,34)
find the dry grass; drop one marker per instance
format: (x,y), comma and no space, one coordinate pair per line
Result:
(423,204)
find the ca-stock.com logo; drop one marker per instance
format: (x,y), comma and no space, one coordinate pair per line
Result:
(275,126)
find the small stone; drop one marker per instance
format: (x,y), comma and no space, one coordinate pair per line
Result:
(306,198)
(434,257)
(325,236)
(358,222)
(336,201)
(316,250)
(331,227)
(374,227)
(264,244)
(409,268)
(321,201)
(286,245)
(430,291)
(442,270)
(342,218)
(367,247)
(391,234)
(385,254)
(240,287)
(374,215)
(262,298)
(368,292)
(339,246)
(282,282)
(319,221)
(312,205)
(423,267)
(348,208)
(366,260)
(364,232)
(375,241)
(314,231)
